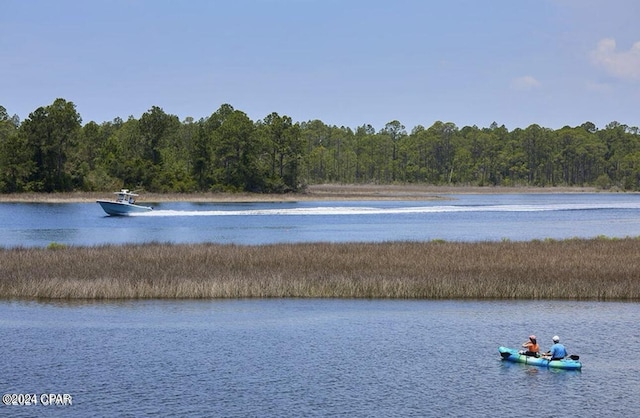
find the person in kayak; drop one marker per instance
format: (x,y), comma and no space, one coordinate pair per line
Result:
(557,350)
(531,346)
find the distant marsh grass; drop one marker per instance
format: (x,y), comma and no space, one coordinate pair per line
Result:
(595,269)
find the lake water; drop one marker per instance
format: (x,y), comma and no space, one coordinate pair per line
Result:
(464,218)
(296,358)
(318,357)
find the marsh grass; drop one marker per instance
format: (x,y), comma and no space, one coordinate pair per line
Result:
(596,269)
(311,193)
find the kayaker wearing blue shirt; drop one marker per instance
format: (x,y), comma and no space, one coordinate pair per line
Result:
(557,350)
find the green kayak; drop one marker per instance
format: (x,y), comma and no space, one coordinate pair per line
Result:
(513,355)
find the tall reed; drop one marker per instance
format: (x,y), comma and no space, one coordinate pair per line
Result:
(594,269)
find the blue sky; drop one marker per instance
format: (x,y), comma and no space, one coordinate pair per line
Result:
(345,62)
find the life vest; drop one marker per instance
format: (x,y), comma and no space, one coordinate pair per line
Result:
(533,348)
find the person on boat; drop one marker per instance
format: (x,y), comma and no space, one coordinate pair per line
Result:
(531,346)
(557,350)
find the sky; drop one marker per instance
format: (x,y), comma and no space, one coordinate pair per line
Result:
(345,62)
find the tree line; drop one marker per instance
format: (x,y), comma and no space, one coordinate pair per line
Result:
(52,151)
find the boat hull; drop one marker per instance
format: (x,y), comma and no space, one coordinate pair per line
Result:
(512,355)
(121,209)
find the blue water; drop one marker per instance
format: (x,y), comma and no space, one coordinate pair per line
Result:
(301,357)
(463,218)
(298,358)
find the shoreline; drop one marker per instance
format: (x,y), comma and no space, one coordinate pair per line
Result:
(575,269)
(318,192)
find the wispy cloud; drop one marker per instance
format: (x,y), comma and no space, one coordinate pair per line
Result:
(620,64)
(526,82)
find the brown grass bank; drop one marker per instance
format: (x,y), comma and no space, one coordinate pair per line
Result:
(598,269)
(314,192)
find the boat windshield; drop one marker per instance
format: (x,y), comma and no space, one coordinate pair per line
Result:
(126,198)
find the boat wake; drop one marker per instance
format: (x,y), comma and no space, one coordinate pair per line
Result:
(359,210)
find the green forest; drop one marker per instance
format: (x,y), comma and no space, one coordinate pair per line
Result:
(53,151)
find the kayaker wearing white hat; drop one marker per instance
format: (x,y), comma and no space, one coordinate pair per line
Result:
(557,350)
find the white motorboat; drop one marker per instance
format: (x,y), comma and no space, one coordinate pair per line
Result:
(124,204)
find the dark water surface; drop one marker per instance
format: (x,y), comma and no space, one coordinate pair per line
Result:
(295,358)
(464,218)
